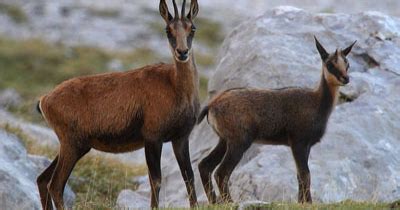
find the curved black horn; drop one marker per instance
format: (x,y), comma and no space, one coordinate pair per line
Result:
(175,10)
(183,9)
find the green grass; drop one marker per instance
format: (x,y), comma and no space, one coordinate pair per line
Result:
(348,204)
(33,67)
(14,12)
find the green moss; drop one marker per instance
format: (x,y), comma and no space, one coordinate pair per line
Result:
(105,13)
(14,12)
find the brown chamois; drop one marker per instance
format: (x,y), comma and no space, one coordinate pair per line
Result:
(295,117)
(126,111)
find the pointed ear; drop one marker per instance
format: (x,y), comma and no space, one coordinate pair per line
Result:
(194,9)
(336,55)
(348,49)
(322,52)
(164,11)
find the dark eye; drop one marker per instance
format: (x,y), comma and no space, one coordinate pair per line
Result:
(193,29)
(330,66)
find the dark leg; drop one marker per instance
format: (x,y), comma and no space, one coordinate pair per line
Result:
(181,150)
(42,182)
(207,166)
(301,153)
(153,157)
(67,159)
(232,157)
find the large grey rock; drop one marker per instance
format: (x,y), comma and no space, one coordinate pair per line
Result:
(359,157)
(18,172)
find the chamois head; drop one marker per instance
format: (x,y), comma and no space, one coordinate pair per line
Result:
(180,30)
(336,65)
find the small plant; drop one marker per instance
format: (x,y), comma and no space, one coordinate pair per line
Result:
(14,12)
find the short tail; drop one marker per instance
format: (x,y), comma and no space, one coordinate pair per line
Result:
(38,107)
(202,114)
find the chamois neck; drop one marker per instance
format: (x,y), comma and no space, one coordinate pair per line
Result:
(185,77)
(327,95)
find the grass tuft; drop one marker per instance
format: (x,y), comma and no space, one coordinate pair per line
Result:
(98,181)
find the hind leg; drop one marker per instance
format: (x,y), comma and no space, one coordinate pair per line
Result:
(42,181)
(67,159)
(232,157)
(207,166)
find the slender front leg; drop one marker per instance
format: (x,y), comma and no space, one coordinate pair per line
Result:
(181,150)
(153,158)
(301,153)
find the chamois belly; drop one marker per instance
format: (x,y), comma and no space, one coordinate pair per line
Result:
(127,145)
(273,140)
(127,140)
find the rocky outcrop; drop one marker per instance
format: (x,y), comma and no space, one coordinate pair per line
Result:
(18,172)
(358,158)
